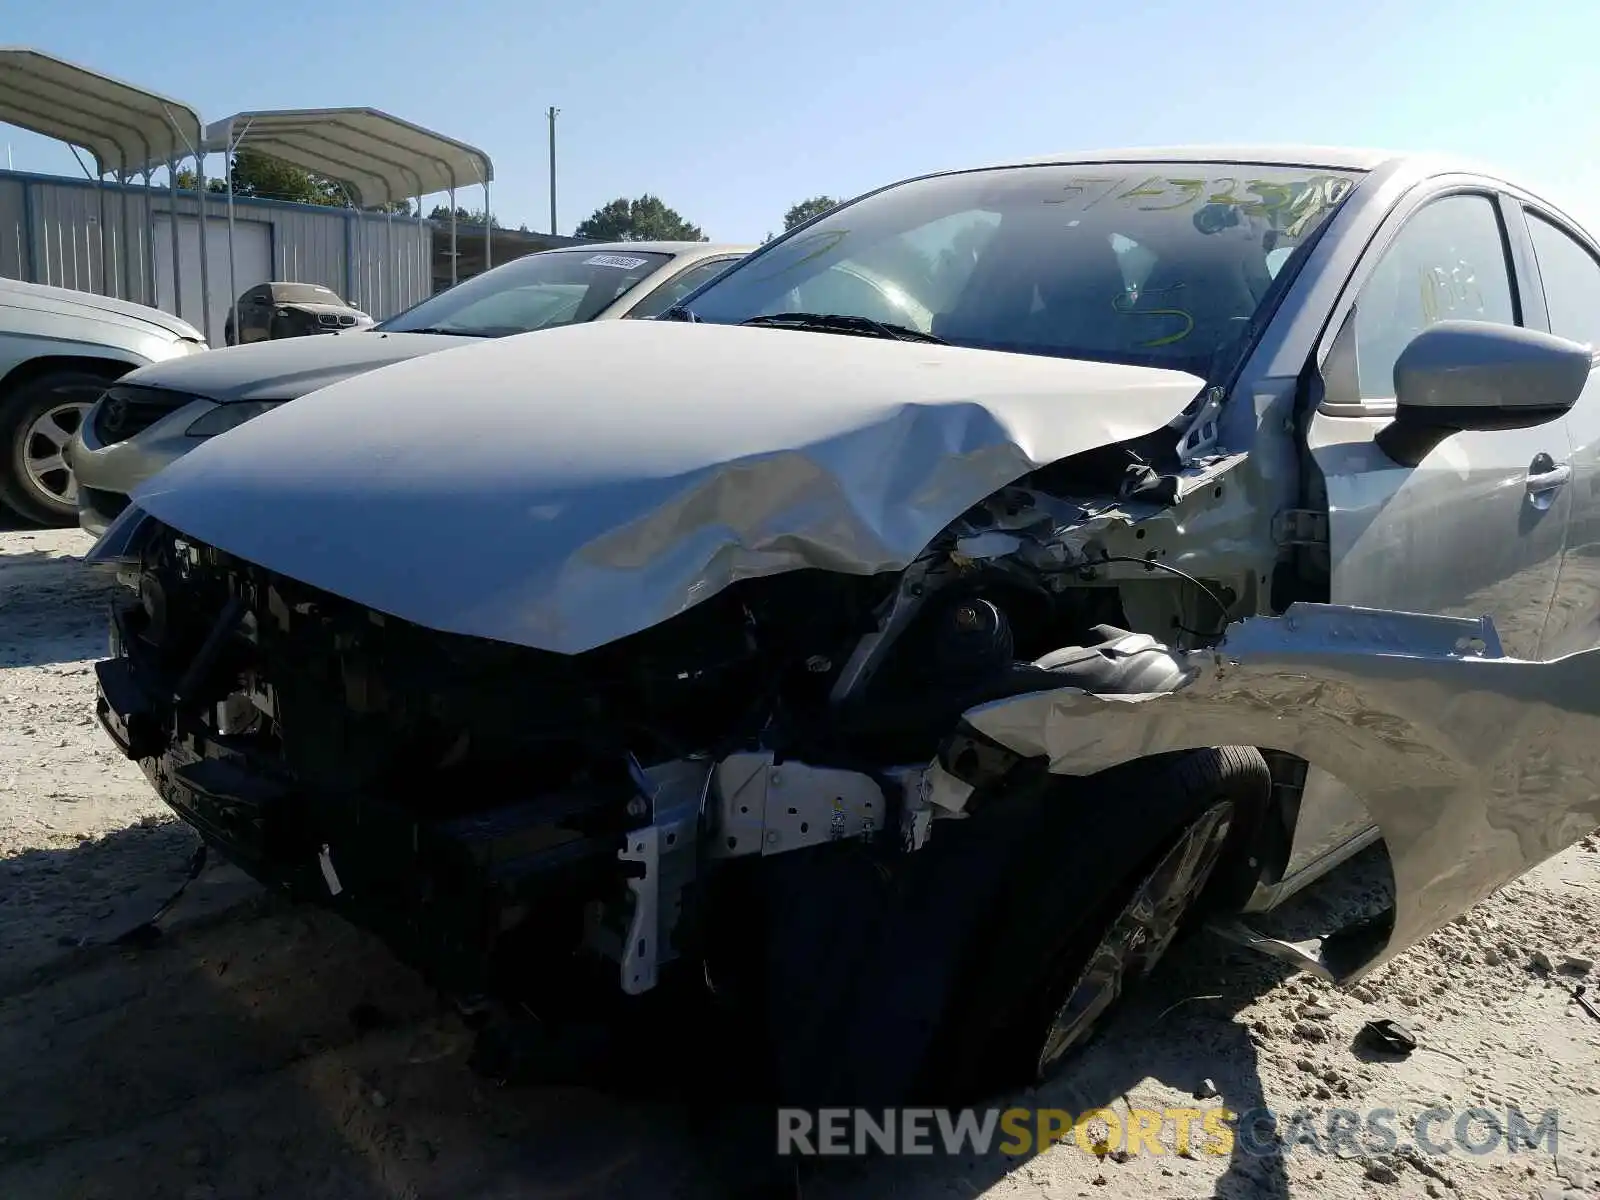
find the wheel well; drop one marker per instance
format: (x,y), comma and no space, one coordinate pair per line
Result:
(35,368)
(1276,835)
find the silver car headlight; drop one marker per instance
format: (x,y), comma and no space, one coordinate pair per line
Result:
(228,416)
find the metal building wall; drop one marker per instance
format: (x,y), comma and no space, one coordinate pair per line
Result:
(390,262)
(52,231)
(13,230)
(76,236)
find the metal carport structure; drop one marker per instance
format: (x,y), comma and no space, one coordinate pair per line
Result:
(127,130)
(377,158)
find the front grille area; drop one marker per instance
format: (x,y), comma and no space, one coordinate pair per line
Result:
(126,410)
(336,319)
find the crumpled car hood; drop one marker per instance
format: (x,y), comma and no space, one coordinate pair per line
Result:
(290,367)
(566,488)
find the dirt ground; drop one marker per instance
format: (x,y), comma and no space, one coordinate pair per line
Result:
(260,1050)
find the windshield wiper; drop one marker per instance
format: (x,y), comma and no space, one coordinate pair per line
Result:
(842,323)
(448,332)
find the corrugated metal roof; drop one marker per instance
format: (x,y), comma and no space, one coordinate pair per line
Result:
(381,158)
(126,128)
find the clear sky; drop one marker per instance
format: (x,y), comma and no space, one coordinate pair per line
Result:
(731,112)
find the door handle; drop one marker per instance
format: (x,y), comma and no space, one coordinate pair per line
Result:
(1547,480)
(1544,479)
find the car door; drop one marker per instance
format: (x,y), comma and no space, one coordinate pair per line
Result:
(1569,277)
(1479,525)
(255,315)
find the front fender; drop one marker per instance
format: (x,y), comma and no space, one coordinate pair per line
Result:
(1474,766)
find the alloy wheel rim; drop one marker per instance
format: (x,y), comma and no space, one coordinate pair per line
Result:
(1138,936)
(44,445)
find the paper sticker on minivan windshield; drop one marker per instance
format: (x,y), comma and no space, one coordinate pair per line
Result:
(623,261)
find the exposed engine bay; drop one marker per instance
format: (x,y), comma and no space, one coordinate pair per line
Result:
(458,791)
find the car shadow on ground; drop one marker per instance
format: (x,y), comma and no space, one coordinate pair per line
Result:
(10,522)
(1179,1038)
(1178,1042)
(1170,1039)
(56,608)
(259,1048)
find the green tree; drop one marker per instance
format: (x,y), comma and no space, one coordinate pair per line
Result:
(463,216)
(806,209)
(262,177)
(645,219)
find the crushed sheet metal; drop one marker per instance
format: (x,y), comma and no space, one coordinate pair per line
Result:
(566,488)
(1474,766)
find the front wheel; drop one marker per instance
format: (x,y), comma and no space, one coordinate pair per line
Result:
(1108,880)
(1136,938)
(37,420)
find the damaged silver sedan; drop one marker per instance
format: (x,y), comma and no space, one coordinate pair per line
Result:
(910,665)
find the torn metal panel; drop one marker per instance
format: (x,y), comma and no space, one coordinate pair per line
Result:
(1474,765)
(1209,523)
(555,492)
(1305,955)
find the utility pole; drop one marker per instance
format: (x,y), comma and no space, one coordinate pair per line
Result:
(552,114)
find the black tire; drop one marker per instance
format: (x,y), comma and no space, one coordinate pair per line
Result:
(1040,932)
(55,503)
(888,979)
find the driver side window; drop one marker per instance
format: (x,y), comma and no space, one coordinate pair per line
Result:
(1448,262)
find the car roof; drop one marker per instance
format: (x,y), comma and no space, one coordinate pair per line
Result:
(1411,165)
(706,249)
(1287,154)
(1341,158)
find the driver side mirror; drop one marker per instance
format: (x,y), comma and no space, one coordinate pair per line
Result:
(1458,376)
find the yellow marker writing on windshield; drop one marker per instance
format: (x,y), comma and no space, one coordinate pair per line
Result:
(1123,304)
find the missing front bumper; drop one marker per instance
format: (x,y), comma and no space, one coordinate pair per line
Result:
(440,891)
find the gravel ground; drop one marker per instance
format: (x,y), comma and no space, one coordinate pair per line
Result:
(221,1059)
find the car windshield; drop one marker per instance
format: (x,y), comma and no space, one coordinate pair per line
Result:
(537,291)
(304,293)
(1156,264)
